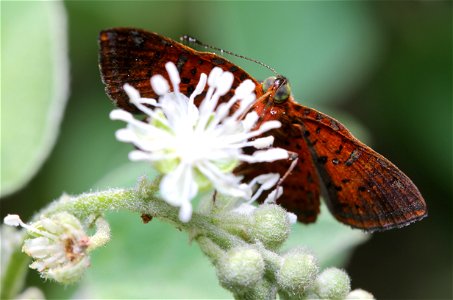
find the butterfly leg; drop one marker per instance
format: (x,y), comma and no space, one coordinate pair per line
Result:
(294,158)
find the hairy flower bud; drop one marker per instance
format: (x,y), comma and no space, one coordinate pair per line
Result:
(270,225)
(297,273)
(332,283)
(240,269)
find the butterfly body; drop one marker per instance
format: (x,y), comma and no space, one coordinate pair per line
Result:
(361,187)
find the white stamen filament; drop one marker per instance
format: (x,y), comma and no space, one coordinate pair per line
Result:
(15,219)
(199,88)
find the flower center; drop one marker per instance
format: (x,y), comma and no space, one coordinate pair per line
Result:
(193,147)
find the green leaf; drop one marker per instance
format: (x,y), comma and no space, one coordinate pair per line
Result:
(34,86)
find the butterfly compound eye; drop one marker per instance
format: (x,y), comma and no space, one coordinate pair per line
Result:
(283,92)
(269,82)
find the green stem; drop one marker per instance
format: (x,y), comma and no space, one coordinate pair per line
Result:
(141,200)
(14,275)
(211,249)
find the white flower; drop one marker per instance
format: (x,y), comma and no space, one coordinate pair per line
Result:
(198,147)
(58,246)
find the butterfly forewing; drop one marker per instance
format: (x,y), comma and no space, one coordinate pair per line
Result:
(133,56)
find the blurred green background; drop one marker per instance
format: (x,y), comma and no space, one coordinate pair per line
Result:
(382,68)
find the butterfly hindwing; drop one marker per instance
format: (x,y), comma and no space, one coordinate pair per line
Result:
(301,188)
(361,187)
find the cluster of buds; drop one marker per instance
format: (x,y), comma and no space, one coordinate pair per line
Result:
(259,270)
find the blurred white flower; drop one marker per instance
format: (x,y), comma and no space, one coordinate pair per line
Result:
(198,147)
(58,246)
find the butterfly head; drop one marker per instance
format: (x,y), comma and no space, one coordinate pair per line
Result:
(279,88)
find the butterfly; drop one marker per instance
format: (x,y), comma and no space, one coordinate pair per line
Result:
(360,187)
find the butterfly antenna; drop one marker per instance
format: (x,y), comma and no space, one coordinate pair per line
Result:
(192,40)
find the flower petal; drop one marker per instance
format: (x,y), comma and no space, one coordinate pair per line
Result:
(160,85)
(179,186)
(213,75)
(246,88)
(266,126)
(250,120)
(269,155)
(174,75)
(263,142)
(292,218)
(225,183)
(131,92)
(200,86)
(268,180)
(185,212)
(224,83)
(274,195)
(120,114)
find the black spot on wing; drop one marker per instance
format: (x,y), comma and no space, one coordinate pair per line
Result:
(233,69)
(182,59)
(355,154)
(218,61)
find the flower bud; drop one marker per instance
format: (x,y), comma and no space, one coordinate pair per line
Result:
(332,283)
(264,289)
(58,245)
(270,225)
(240,269)
(359,294)
(297,273)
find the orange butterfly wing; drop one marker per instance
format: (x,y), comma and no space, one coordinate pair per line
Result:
(133,56)
(361,187)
